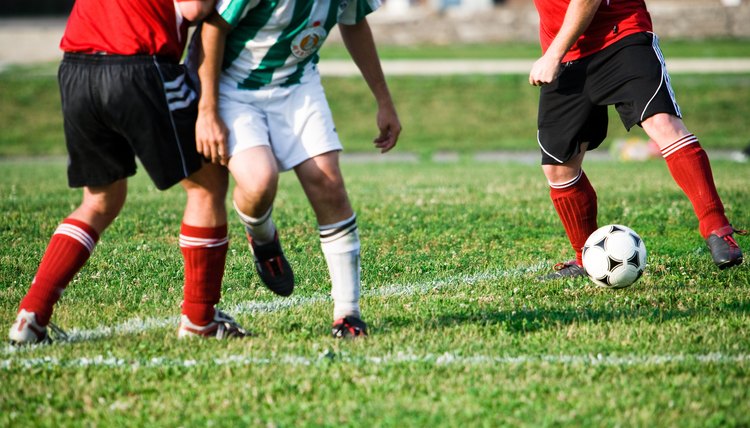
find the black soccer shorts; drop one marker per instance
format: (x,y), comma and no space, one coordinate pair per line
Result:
(629,74)
(118,107)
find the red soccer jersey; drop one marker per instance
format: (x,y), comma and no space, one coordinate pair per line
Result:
(614,20)
(126,27)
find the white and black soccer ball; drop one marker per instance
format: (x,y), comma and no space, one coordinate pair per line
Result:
(614,256)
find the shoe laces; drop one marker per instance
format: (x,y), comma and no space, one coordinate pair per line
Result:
(59,333)
(227,326)
(729,239)
(565,265)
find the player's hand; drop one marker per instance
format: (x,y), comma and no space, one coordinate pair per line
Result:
(545,70)
(390,128)
(211,137)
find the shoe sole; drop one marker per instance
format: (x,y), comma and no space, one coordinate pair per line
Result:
(280,290)
(730,263)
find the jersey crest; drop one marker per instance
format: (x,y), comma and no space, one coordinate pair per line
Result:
(309,40)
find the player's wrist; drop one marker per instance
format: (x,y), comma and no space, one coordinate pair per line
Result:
(208,108)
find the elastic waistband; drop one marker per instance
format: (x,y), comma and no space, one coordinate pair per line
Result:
(96,58)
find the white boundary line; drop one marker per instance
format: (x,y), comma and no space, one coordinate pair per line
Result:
(447,359)
(141,325)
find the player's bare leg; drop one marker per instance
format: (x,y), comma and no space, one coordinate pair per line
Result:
(690,168)
(69,248)
(323,184)
(257,176)
(575,202)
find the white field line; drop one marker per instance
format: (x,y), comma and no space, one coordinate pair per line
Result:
(141,325)
(447,359)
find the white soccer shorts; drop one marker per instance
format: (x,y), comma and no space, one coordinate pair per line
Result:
(295,122)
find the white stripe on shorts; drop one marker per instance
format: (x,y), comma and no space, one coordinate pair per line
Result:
(664,79)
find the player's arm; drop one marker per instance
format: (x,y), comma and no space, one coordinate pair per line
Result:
(361,45)
(210,131)
(577,19)
(195,10)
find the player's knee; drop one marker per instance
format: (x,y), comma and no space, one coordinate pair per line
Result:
(105,209)
(664,127)
(558,174)
(255,199)
(211,178)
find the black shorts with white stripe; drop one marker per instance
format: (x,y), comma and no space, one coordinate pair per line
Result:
(117,107)
(629,74)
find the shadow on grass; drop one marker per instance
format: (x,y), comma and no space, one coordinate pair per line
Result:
(524,321)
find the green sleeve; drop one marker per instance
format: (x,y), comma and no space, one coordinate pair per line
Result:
(233,11)
(357,10)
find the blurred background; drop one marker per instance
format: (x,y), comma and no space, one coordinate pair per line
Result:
(405,22)
(457,68)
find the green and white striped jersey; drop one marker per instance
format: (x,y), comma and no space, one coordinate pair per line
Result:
(276,42)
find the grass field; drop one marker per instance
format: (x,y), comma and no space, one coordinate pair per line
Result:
(461,332)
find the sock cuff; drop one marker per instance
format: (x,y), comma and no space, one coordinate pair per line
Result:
(566,184)
(203,237)
(80,231)
(679,144)
(252,221)
(330,233)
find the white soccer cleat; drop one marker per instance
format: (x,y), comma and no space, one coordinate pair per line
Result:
(222,327)
(26,331)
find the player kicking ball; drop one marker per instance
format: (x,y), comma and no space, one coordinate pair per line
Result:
(599,53)
(124,94)
(263,111)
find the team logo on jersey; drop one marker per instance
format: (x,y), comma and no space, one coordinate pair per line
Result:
(309,40)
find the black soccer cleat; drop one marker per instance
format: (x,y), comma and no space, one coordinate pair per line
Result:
(569,269)
(272,266)
(724,249)
(349,327)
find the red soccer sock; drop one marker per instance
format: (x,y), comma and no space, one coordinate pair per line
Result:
(68,250)
(205,251)
(689,166)
(575,203)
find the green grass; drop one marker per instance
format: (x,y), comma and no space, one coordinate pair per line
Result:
(451,113)
(461,333)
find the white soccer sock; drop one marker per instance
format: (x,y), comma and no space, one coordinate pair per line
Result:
(262,229)
(340,244)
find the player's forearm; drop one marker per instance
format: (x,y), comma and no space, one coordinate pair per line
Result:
(213,40)
(579,15)
(361,46)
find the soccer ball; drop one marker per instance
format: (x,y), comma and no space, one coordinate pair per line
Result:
(614,256)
